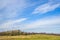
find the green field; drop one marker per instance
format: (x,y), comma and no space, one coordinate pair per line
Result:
(31,37)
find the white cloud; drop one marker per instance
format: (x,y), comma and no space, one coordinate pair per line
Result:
(44,8)
(10,8)
(11,23)
(43,22)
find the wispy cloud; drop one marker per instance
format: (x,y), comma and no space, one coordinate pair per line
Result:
(47,7)
(11,23)
(43,23)
(14,14)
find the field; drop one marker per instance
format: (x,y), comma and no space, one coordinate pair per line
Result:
(31,37)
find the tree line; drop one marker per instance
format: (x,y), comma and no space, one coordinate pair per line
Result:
(14,33)
(19,32)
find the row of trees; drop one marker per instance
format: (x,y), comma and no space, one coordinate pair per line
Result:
(14,33)
(11,33)
(18,32)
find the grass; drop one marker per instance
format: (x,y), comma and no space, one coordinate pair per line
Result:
(31,37)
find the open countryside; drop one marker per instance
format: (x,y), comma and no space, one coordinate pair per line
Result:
(30,37)
(19,35)
(29,19)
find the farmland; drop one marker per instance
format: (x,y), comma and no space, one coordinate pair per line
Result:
(31,37)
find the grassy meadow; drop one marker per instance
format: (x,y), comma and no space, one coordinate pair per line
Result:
(31,37)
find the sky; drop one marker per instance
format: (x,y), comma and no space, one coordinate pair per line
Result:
(30,15)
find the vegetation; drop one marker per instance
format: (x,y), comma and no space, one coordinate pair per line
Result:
(14,33)
(19,35)
(31,37)
(18,32)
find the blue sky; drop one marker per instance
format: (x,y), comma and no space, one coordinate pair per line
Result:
(30,15)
